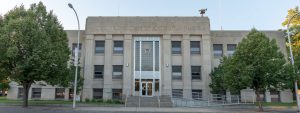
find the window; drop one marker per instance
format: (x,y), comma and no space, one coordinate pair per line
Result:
(176,47)
(218,50)
(118,47)
(59,93)
(117,94)
(36,93)
(97,93)
(196,72)
(98,71)
(177,93)
(20,92)
(99,46)
(230,49)
(195,47)
(117,71)
(275,96)
(197,94)
(71,92)
(176,73)
(74,45)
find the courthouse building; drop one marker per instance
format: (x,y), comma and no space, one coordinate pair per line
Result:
(150,56)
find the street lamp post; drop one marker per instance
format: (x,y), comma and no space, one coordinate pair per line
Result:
(76,57)
(292,58)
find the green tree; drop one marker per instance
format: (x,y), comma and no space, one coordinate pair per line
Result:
(217,79)
(34,47)
(295,34)
(257,64)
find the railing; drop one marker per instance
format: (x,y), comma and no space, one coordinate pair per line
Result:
(158,100)
(126,97)
(196,99)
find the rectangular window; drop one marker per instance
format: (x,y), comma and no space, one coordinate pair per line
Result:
(74,45)
(176,47)
(197,94)
(195,47)
(176,72)
(218,50)
(98,71)
(99,46)
(97,93)
(275,96)
(196,72)
(230,49)
(59,93)
(177,93)
(71,92)
(117,94)
(117,72)
(20,92)
(118,47)
(36,93)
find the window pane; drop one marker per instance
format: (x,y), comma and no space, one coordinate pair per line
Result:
(118,47)
(20,92)
(59,93)
(196,72)
(117,94)
(218,50)
(230,49)
(97,93)
(176,72)
(197,94)
(98,71)
(195,47)
(36,93)
(117,72)
(147,55)
(99,46)
(137,56)
(177,93)
(176,47)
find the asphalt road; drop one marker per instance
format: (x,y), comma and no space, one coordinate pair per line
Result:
(51,109)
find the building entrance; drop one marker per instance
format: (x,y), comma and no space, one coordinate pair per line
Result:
(146,65)
(147,89)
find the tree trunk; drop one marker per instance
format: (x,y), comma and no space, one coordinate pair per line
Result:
(26,87)
(259,101)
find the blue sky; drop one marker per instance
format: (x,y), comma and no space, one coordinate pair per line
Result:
(230,14)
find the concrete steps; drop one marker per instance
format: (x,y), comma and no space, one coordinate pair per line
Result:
(163,101)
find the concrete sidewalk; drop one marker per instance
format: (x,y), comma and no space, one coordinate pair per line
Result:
(248,109)
(149,109)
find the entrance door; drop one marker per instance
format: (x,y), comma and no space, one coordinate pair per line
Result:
(146,88)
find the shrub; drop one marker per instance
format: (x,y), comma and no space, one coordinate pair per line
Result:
(87,100)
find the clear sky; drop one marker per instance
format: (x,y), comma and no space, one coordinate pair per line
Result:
(230,14)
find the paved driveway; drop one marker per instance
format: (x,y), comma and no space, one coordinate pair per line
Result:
(53,109)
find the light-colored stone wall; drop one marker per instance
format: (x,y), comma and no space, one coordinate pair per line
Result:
(184,29)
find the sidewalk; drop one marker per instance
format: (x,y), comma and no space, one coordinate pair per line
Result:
(235,109)
(149,109)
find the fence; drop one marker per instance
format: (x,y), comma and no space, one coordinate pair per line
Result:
(197,99)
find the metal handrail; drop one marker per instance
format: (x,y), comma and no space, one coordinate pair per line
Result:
(158,99)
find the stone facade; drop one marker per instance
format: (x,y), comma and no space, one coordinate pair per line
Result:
(167,29)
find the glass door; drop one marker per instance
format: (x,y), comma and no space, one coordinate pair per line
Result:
(146,88)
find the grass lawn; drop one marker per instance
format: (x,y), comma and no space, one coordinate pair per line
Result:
(277,104)
(3,100)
